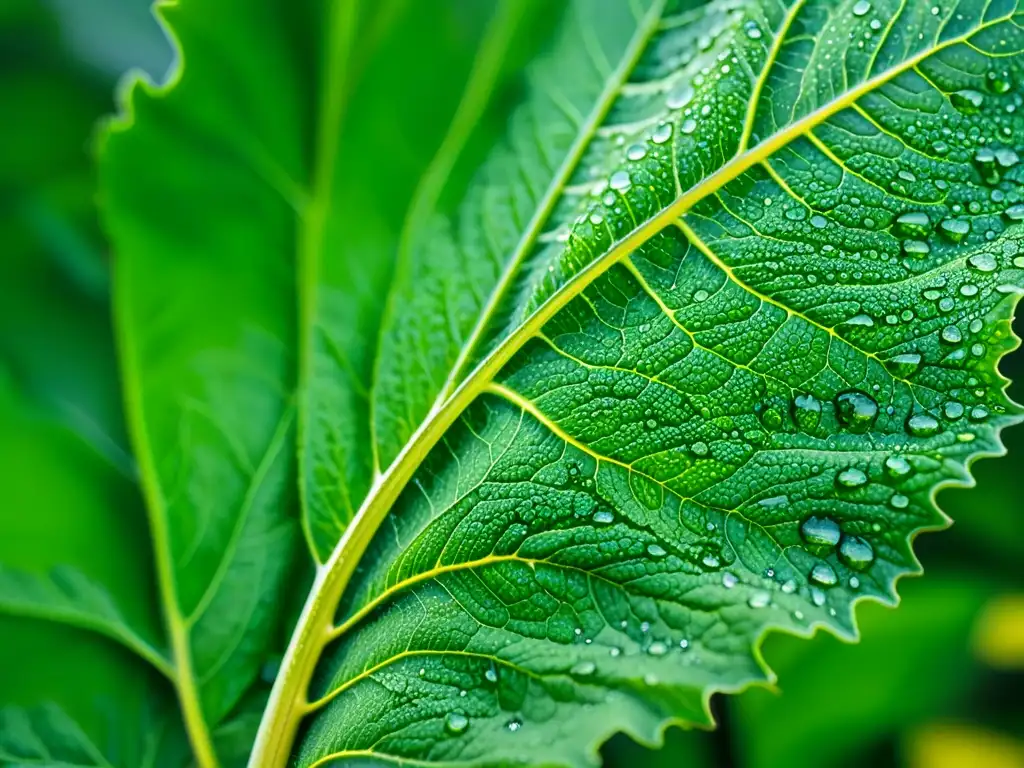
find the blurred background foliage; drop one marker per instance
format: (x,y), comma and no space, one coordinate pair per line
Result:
(936,683)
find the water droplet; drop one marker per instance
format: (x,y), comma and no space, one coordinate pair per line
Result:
(491,675)
(662,133)
(759,600)
(856,552)
(905,365)
(856,410)
(583,668)
(796,213)
(897,466)
(922,425)
(823,574)
(596,219)
(456,723)
(955,229)
(967,101)
(689,126)
(603,516)
(899,501)
(729,580)
(657,648)
(818,222)
(817,597)
(953,410)
(636,152)
(620,180)
(983,262)
(861,8)
(679,96)
(914,223)
(978,413)
(1006,157)
(774,501)
(514,724)
(710,561)
(806,412)
(951,334)
(789,586)
(851,477)
(863,320)
(654,550)
(753,33)
(998,82)
(820,531)
(1014,212)
(916,248)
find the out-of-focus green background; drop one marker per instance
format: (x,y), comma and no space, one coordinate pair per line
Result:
(938,682)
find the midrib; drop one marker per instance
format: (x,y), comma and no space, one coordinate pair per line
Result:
(313,628)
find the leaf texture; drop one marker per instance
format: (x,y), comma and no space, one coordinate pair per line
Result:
(728,352)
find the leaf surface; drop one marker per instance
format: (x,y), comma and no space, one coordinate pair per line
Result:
(744,323)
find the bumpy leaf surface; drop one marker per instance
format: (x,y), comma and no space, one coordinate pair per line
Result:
(737,280)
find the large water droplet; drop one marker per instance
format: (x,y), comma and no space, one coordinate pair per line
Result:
(820,531)
(951,335)
(983,262)
(620,180)
(899,501)
(861,7)
(636,152)
(657,648)
(491,675)
(856,552)
(823,574)
(967,101)
(904,365)
(689,126)
(656,550)
(851,477)
(862,320)
(856,410)
(806,412)
(922,425)
(679,96)
(916,248)
(953,410)
(603,516)
(955,230)
(913,224)
(1014,212)
(729,580)
(456,723)
(897,466)
(662,133)
(759,600)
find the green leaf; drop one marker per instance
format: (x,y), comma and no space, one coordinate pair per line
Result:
(235,322)
(70,597)
(687,362)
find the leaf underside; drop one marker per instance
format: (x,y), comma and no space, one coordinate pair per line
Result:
(718,315)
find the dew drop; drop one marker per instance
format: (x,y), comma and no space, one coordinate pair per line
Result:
(905,365)
(806,411)
(856,552)
(636,152)
(978,413)
(619,180)
(759,600)
(899,501)
(818,222)
(603,516)
(710,561)
(655,550)
(916,248)
(862,320)
(955,230)
(823,574)
(967,101)
(689,126)
(820,531)
(983,262)
(1015,212)
(861,8)
(922,425)
(456,723)
(700,295)
(729,580)
(851,477)
(657,648)
(491,675)
(953,410)
(662,133)
(951,335)
(583,668)
(913,224)
(679,96)
(897,466)
(856,410)
(514,724)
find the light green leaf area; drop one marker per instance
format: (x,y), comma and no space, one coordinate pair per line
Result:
(736,320)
